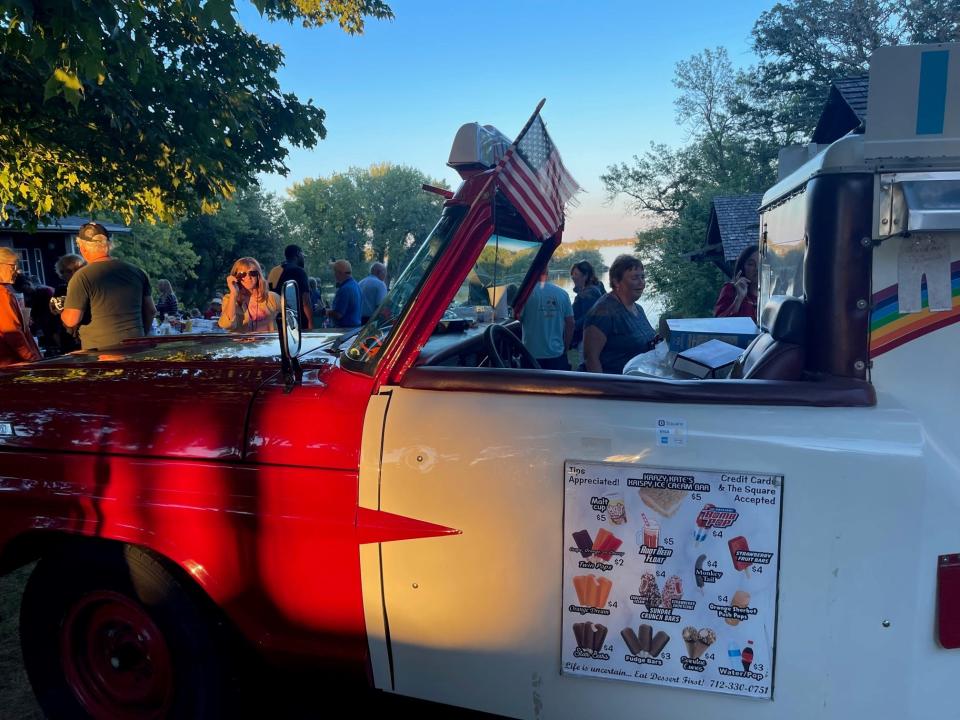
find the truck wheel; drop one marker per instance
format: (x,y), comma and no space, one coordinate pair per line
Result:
(108,632)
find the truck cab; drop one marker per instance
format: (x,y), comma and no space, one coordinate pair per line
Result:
(422,512)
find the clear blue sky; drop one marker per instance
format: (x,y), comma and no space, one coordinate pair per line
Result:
(399,92)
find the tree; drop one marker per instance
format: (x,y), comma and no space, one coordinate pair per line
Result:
(399,212)
(676,186)
(380,213)
(803,45)
(161,250)
(251,224)
(147,108)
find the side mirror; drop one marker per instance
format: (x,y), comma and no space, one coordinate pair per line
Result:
(290,333)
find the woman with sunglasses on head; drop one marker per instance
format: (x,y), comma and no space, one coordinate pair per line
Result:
(16,342)
(249,306)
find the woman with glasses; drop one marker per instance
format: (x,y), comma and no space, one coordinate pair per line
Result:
(249,306)
(16,342)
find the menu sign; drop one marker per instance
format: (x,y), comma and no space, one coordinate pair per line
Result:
(670,576)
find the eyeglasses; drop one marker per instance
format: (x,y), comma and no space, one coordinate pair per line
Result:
(252,273)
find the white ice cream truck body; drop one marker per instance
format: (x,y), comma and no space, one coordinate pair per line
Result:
(842,473)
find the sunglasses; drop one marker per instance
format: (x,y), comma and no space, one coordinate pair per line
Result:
(252,273)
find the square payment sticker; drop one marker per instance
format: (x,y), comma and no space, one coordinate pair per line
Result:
(671,433)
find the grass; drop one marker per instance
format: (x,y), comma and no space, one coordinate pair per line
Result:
(16,696)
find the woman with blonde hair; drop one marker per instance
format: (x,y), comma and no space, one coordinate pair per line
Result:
(249,306)
(167,303)
(16,342)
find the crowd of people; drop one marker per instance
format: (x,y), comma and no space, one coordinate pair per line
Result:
(102,300)
(604,330)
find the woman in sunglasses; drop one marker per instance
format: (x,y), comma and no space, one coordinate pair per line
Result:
(249,306)
(16,342)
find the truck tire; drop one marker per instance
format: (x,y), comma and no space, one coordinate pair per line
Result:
(108,632)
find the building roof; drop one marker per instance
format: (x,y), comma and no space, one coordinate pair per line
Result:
(68,224)
(734,223)
(845,109)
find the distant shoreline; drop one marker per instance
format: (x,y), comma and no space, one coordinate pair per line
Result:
(618,242)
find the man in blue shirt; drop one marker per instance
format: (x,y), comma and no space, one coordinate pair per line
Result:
(345,312)
(547,322)
(373,290)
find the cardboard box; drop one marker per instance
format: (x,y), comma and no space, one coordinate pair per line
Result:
(686,333)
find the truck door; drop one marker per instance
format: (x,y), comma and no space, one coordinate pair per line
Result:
(479,619)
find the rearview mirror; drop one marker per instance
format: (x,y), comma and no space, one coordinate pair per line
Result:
(290,333)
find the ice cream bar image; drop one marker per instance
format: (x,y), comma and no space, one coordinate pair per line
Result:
(658,643)
(746,656)
(645,637)
(630,638)
(700,534)
(603,588)
(738,544)
(578,633)
(580,585)
(672,590)
(599,635)
(584,542)
(590,590)
(741,599)
(589,630)
(605,545)
(602,535)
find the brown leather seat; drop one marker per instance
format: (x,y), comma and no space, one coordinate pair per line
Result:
(778,351)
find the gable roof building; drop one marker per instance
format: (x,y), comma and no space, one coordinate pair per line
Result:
(734,224)
(845,109)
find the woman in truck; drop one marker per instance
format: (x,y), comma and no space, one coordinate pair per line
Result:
(589,289)
(738,298)
(249,306)
(616,328)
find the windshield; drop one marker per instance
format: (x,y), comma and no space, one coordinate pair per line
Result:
(486,294)
(368,341)
(490,288)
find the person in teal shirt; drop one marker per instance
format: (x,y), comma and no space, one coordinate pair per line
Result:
(547,322)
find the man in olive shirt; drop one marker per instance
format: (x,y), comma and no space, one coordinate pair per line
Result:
(114,294)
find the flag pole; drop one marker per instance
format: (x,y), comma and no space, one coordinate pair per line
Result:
(530,121)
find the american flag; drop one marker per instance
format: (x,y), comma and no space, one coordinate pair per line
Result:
(536,183)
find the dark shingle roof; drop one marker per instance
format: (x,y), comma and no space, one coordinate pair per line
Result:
(845,109)
(734,222)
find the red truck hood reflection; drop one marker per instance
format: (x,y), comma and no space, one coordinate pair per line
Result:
(171,397)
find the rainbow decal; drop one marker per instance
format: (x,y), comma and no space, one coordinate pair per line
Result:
(890,329)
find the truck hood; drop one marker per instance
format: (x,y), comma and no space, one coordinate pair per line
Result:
(170,397)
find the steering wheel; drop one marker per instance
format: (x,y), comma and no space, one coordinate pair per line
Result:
(503,346)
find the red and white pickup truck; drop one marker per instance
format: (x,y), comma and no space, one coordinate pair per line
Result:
(393,505)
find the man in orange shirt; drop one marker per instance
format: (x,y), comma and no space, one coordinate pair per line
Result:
(16,342)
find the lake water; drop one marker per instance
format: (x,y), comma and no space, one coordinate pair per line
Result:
(651,306)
